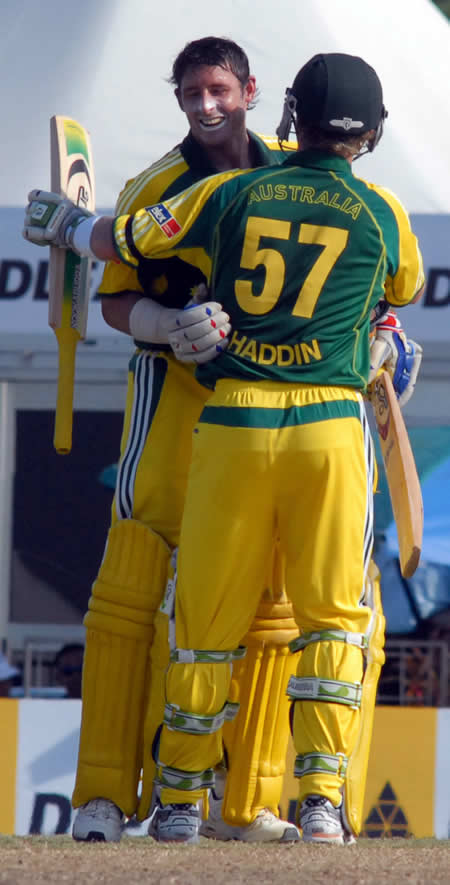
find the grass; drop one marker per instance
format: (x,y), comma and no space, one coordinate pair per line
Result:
(57,860)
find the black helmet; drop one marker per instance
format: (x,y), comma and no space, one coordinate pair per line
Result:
(337,93)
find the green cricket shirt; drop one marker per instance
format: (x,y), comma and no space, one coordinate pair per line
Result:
(297,254)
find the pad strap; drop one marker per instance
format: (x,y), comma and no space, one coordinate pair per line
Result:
(167,606)
(320,763)
(202,656)
(176,779)
(196,723)
(358,639)
(329,690)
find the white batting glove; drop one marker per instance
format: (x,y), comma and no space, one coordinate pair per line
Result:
(150,321)
(401,356)
(200,333)
(50,220)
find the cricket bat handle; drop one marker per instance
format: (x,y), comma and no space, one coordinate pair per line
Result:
(67,344)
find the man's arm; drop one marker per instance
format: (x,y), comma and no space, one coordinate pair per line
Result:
(116,310)
(405,281)
(52,220)
(196,335)
(180,224)
(101,238)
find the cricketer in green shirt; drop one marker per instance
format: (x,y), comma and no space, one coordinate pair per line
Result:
(298,255)
(168,282)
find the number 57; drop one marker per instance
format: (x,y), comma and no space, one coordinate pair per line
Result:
(334,241)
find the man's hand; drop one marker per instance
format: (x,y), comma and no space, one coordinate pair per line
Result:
(50,220)
(200,333)
(390,348)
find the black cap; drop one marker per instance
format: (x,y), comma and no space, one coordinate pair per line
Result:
(339,93)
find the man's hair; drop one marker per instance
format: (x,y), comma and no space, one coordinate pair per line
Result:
(313,137)
(213,52)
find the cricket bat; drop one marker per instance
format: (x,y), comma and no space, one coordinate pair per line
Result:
(401,472)
(72,176)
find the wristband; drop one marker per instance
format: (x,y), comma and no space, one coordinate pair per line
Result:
(79,238)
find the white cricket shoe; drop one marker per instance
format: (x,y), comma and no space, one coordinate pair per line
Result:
(266,827)
(174,823)
(99,820)
(320,821)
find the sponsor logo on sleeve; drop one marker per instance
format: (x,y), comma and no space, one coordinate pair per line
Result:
(164,219)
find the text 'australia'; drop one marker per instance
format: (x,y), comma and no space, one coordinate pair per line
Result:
(304,194)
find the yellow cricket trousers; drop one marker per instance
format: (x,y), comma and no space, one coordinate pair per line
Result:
(273,462)
(163,403)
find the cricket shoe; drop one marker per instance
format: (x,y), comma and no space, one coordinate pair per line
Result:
(266,827)
(99,820)
(320,821)
(174,823)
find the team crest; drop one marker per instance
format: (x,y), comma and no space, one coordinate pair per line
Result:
(164,219)
(347,123)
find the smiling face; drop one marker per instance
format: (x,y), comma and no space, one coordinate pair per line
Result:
(215,103)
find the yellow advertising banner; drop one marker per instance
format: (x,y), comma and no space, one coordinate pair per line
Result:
(399,798)
(9,727)
(401,776)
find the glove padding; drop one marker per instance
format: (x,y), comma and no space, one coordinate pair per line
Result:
(391,349)
(50,220)
(201,332)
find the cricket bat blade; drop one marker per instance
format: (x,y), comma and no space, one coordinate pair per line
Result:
(72,176)
(401,472)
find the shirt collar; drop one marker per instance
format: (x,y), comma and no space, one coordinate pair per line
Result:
(260,153)
(197,158)
(320,160)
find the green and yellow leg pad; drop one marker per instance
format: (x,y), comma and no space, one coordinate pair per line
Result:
(256,740)
(164,651)
(119,631)
(197,686)
(326,711)
(333,716)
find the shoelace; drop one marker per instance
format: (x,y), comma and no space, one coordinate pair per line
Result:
(315,801)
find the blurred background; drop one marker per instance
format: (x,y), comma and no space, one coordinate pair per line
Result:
(106,63)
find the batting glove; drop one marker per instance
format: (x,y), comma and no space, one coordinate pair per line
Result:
(50,220)
(200,333)
(401,356)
